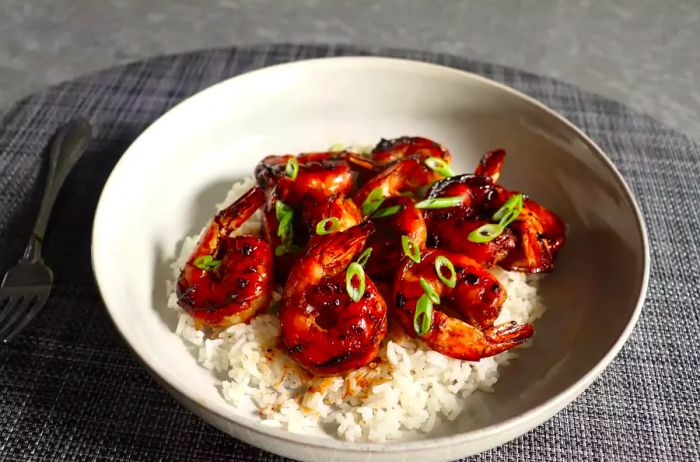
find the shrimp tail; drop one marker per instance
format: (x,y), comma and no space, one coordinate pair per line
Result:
(491,164)
(506,336)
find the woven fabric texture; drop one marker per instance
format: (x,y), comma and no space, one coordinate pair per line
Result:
(71,390)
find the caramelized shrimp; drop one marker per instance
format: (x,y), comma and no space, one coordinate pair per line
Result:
(387,252)
(405,176)
(539,236)
(227,279)
(462,324)
(387,151)
(530,243)
(322,327)
(449,227)
(323,172)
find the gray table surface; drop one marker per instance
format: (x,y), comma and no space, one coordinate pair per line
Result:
(643,53)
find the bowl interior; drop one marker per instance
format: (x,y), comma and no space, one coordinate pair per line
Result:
(167,183)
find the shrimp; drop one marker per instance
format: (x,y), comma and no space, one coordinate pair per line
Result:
(323,329)
(322,171)
(539,235)
(529,244)
(387,252)
(387,151)
(314,207)
(227,280)
(462,324)
(449,227)
(405,176)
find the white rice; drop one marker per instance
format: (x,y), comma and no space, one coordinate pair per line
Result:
(409,386)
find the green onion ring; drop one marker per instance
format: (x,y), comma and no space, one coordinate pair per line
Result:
(292,168)
(355,293)
(373,201)
(439,166)
(429,291)
(322,226)
(485,233)
(443,262)
(410,248)
(439,202)
(424,307)
(207,263)
(364,256)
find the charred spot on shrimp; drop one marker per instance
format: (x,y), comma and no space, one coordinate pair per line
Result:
(472,278)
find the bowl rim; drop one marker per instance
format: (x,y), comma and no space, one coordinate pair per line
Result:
(548,408)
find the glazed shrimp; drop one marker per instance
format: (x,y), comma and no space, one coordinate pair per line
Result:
(387,151)
(337,212)
(476,300)
(449,227)
(530,243)
(323,172)
(227,280)
(539,235)
(387,252)
(405,176)
(322,327)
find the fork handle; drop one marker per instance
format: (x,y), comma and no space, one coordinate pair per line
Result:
(67,147)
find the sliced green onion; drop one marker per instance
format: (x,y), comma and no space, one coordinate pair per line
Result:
(485,233)
(424,309)
(207,263)
(439,202)
(284,215)
(337,147)
(292,168)
(429,291)
(387,211)
(508,218)
(355,270)
(515,202)
(443,262)
(373,201)
(364,256)
(410,248)
(280,250)
(290,248)
(439,166)
(322,227)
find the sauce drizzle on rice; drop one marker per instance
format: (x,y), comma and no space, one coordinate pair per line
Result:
(408,387)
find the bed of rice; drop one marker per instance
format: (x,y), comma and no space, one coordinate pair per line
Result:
(408,387)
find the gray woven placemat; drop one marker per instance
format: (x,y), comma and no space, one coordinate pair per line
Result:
(70,389)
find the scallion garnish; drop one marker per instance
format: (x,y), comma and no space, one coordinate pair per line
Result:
(485,233)
(442,262)
(505,215)
(429,291)
(515,202)
(373,201)
(439,166)
(387,211)
(285,231)
(355,276)
(207,263)
(423,317)
(292,168)
(410,248)
(364,256)
(337,147)
(439,202)
(327,226)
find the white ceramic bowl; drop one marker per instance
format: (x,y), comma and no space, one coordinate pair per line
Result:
(166,184)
